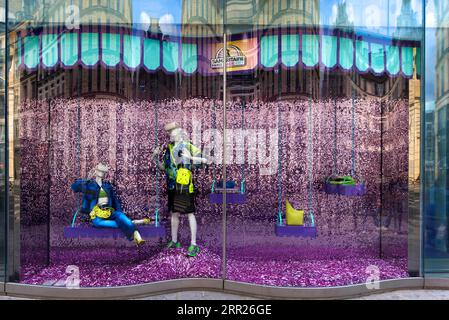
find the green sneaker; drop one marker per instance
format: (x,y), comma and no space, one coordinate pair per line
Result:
(172,245)
(193,251)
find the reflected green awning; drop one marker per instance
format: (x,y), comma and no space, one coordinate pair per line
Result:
(310,45)
(290,49)
(329,51)
(134,49)
(69,48)
(346,53)
(31,51)
(362,55)
(407,61)
(269,51)
(49,49)
(89,48)
(392,57)
(170,56)
(377,58)
(151,53)
(110,49)
(189,56)
(131,51)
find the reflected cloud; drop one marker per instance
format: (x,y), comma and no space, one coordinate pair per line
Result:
(167,24)
(145,21)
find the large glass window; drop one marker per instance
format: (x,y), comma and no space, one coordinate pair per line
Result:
(323,134)
(108,108)
(269,142)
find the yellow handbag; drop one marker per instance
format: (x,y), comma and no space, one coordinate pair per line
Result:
(294,217)
(101,213)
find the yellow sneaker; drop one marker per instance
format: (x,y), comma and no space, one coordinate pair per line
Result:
(138,239)
(141,222)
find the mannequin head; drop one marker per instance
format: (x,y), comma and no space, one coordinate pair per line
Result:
(175,132)
(177,135)
(101,170)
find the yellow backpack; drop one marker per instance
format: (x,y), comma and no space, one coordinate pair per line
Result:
(184,179)
(183,176)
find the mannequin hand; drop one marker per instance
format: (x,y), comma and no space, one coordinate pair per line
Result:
(156,152)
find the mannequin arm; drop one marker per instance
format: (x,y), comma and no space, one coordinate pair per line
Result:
(161,166)
(77,185)
(155,158)
(195,159)
(194,154)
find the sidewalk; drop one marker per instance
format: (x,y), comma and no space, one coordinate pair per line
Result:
(409,295)
(209,295)
(394,295)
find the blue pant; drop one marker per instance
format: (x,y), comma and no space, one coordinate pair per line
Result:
(117,220)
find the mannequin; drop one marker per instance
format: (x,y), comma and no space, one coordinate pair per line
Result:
(103,206)
(180,154)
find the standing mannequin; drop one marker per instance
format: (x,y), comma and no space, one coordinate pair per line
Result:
(180,154)
(103,206)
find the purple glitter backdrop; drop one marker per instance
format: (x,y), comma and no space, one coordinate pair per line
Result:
(121,134)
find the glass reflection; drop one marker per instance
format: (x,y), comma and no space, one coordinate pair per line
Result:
(3,206)
(435,144)
(314,90)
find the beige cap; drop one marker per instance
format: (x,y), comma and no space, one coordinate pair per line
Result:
(171,126)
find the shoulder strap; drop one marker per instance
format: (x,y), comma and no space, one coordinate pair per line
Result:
(170,149)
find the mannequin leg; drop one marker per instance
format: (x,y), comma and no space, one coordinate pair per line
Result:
(174,226)
(124,223)
(193,228)
(104,223)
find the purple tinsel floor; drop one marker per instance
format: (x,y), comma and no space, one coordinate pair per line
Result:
(285,267)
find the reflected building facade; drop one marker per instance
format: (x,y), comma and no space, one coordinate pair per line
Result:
(441,178)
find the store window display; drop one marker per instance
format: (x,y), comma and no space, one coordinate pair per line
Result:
(307,129)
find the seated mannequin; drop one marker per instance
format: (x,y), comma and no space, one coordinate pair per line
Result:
(102,205)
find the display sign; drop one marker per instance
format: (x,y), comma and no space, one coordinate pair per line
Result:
(240,55)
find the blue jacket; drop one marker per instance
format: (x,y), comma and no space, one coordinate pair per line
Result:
(90,190)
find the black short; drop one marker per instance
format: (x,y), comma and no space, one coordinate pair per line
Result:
(182,203)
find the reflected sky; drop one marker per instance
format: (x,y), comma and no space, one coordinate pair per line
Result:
(370,14)
(374,15)
(167,12)
(157,9)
